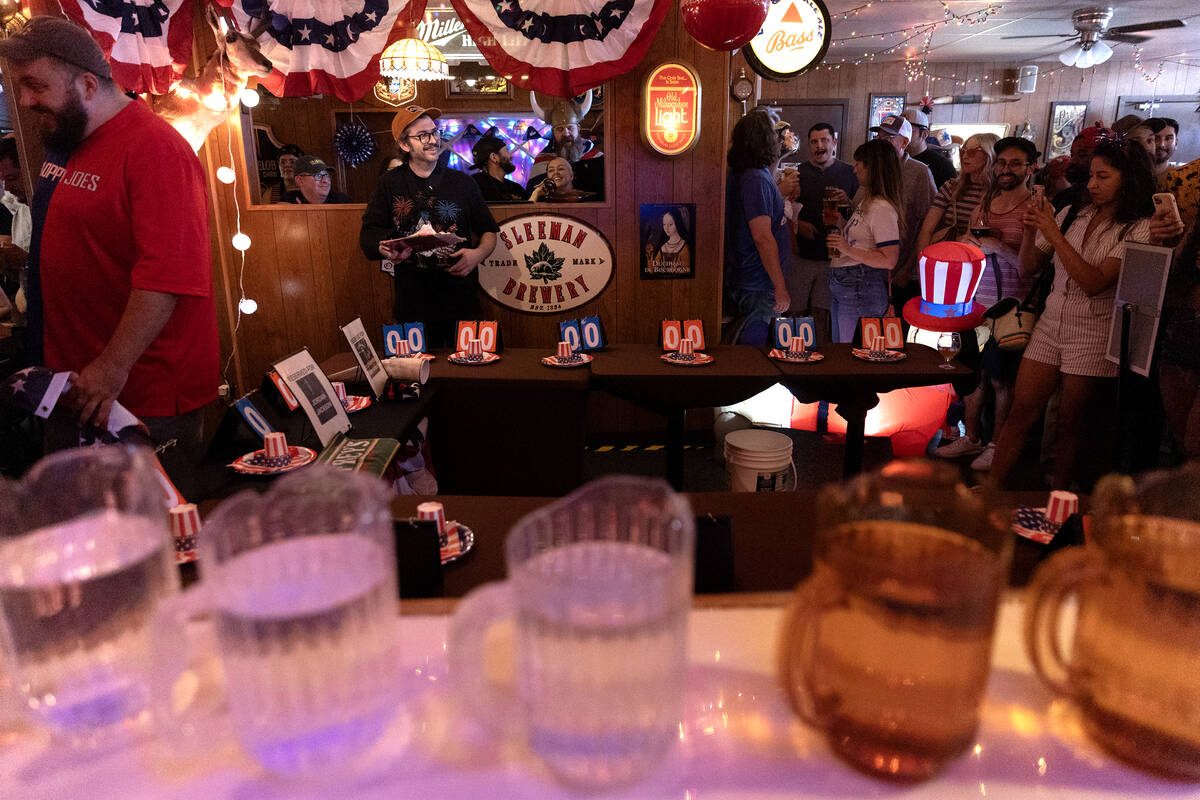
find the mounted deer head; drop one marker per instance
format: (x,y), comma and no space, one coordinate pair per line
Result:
(198,104)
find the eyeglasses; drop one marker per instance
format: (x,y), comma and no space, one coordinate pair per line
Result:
(972,151)
(319,176)
(425,137)
(1005,164)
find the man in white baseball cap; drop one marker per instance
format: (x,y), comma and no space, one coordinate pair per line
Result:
(939,165)
(918,191)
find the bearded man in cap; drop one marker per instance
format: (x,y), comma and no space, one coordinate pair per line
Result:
(494,164)
(436,287)
(120,282)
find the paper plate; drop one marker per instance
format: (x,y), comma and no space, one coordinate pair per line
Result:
(460,357)
(356,403)
(583,360)
(810,356)
(700,360)
(300,457)
(1033,524)
(888,356)
(459,541)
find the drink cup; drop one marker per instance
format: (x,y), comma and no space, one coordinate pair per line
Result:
(434,511)
(403,349)
(410,370)
(91,560)
(185,526)
(886,647)
(339,388)
(1132,666)
(564,350)
(301,586)
(687,347)
(599,587)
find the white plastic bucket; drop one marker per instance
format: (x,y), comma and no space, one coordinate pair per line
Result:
(759,461)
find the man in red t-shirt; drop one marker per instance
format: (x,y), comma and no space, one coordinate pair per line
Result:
(119,262)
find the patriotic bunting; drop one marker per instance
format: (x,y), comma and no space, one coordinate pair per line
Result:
(566,51)
(148,43)
(320,46)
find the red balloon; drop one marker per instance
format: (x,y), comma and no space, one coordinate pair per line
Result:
(723,24)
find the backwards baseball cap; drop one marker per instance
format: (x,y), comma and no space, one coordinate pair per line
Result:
(58,38)
(408,115)
(483,149)
(917,117)
(309,165)
(894,126)
(942,140)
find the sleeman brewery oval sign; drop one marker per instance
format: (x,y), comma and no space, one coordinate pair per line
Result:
(546,263)
(793,39)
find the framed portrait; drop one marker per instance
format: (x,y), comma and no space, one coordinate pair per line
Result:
(668,239)
(1067,119)
(882,105)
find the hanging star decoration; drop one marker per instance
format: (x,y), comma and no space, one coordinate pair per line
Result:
(354,143)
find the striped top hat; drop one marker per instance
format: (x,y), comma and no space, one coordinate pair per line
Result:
(950,273)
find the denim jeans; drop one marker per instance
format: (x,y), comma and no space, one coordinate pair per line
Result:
(856,292)
(758,306)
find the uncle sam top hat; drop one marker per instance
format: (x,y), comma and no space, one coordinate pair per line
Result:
(950,273)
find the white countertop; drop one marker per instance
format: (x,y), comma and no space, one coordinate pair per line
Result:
(740,741)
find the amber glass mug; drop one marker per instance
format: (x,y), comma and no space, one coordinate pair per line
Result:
(886,647)
(1135,662)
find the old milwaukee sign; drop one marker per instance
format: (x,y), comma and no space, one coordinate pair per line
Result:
(793,39)
(671,109)
(546,263)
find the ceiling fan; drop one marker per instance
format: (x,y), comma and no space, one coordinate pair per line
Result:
(1093,34)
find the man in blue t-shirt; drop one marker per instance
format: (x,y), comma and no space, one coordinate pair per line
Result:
(808,284)
(758,252)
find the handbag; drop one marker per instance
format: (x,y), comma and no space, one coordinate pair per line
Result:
(1011,320)
(948,233)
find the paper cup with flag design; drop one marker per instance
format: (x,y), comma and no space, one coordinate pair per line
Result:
(796,345)
(1061,506)
(403,349)
(474,350)
(949,273)
(564,350)
(275,452)
(435,512)
(185,526)
(876,347)
(339,388)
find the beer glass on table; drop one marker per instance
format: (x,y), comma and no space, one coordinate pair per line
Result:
(886,647)
(90,560)
(599,586)
(831,217)
(301,586)
(1132,666)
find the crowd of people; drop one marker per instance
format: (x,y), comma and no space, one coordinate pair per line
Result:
(1053,236)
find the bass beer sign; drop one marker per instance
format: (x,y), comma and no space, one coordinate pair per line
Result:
(546,263)
(793,39)
(671,109)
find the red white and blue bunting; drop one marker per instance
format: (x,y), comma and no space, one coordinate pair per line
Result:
(148,44)
(320,46)
(562,47)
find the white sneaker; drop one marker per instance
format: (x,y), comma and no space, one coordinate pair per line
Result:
(983,462)
(962,446)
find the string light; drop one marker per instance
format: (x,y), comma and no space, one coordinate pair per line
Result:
(249,97)
(226,175)
(925,29)
(240,241)
(1146,76)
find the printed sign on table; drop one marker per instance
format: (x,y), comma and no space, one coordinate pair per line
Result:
(315,395)
(365,355)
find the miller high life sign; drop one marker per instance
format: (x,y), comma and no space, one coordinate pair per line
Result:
(546,263)
(671,109)
(793,39)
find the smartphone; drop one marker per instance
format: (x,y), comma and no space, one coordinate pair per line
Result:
(1164,205)
(1039,195)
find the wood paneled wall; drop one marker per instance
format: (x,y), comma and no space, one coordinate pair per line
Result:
(308,276)
(1100,86)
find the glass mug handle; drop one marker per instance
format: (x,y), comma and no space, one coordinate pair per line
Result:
(481,610)
(798,637)
(188,687)
(1063,574)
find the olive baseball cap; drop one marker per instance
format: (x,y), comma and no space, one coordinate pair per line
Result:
(58,38)
(309,165)
(408,115)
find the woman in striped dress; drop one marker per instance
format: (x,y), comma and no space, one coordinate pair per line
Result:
(1069,343)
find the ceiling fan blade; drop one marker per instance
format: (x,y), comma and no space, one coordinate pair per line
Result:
(1043,36)
(1157,25)
(1127,38)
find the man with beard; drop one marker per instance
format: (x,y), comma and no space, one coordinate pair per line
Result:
(494,164)
(120,282)
(586,159)
(808,281)
(1166,136)
(436,287)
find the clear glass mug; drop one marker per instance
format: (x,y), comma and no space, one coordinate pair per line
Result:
(300,583)
(87,559)
(599,586)
(886,647)
(1133,666)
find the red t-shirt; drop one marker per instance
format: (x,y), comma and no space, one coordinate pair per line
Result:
(131,212)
